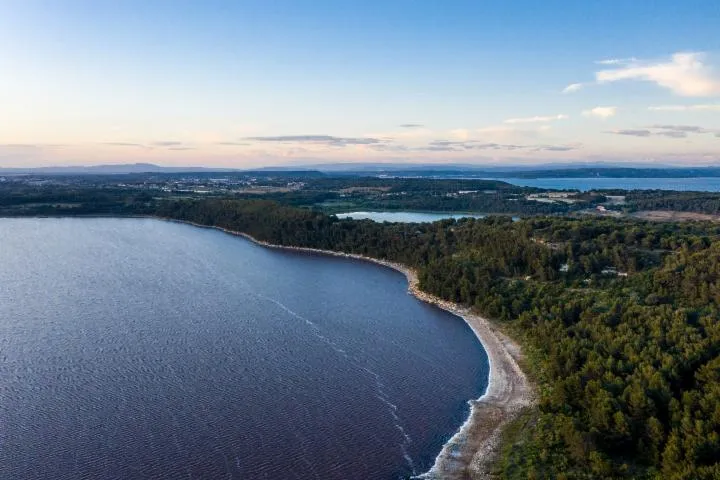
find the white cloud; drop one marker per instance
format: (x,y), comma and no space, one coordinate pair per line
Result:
(687,108)
(601,112)
(536,119)
(573,87)
(684,74)
(461,133)
(616,61)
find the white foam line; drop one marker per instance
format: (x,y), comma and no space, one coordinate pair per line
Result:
(457,440)
(379,386)
(404,446)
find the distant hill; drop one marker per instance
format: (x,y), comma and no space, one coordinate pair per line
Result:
(398,170)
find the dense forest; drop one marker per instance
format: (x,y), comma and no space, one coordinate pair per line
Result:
(701,202)
(619,320)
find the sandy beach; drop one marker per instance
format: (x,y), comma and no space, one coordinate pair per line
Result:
(470,453)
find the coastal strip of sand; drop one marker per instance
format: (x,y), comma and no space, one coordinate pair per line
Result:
(471,451)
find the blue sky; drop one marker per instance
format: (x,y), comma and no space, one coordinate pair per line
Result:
(247,83)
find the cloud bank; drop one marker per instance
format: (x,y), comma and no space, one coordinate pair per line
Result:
(684,74)
(669,131)
(317,139)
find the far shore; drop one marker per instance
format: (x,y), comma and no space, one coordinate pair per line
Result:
(471,452)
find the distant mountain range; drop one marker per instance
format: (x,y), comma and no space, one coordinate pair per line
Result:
(403,170)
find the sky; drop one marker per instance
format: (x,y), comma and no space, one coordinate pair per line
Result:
(247,83)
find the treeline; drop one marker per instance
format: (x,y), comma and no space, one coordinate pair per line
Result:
(22,200)
(419,194)
(700,202)
(413,184)
(628,366)
(497,202)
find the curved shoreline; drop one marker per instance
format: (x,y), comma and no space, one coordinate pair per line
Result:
(471,451)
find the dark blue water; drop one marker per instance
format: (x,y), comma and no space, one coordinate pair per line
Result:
(134,348)
(701,184)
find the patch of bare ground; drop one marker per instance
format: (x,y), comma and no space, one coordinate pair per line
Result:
(674,216)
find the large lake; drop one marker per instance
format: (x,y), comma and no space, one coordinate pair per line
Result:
(703,184)
(135,349)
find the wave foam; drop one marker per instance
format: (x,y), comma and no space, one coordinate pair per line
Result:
(379,385)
